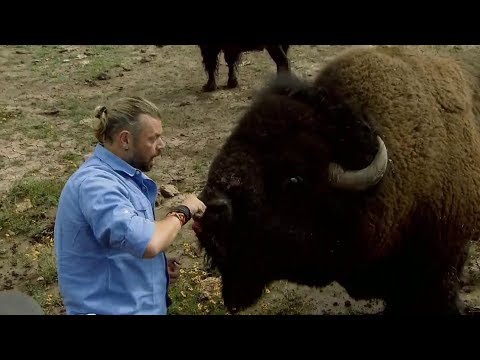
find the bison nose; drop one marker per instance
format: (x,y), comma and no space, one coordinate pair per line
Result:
(219,208)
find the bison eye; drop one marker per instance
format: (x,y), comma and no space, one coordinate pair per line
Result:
(293,183)
(295,180)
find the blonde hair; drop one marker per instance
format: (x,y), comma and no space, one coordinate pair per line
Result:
(123,114)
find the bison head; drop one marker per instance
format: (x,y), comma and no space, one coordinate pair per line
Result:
(283,192)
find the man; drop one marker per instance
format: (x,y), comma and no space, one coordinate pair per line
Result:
(110,249)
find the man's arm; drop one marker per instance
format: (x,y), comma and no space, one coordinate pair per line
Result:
(165,232)
(114,220)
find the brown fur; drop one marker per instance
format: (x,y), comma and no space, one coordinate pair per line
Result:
(403,240)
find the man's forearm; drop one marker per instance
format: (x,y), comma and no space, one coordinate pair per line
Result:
(165,232)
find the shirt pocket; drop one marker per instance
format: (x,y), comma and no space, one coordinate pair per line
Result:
(140,209)
(141,206)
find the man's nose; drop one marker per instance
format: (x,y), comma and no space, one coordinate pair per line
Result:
(160,144)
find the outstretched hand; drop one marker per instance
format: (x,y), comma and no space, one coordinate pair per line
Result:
(196,206)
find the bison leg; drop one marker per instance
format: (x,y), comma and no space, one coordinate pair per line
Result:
(423,302)
(210,62)
(231,58)
(278,53)
(427,291)
(240,291)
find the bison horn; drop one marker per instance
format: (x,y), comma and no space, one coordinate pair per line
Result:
(359,180)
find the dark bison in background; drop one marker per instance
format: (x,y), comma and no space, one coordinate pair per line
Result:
(369,176)
(232,53)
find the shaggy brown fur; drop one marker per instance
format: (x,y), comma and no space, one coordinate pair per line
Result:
(232,53)
(272,214)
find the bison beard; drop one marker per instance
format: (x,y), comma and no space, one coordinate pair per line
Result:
(369,176)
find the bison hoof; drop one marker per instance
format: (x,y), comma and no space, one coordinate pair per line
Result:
(232,83)
(209,87)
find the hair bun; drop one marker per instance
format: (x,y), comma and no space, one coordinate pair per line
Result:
(99,111)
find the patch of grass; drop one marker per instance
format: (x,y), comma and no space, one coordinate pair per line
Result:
(39,129)
(196,293)
(73,161)
(73,157)
(24,209)
(279,302)
(101,60)
(47,263)
(12,121)
(52,64)
(47,61)
(42,283)
(201,167)
(47,297)
(7,126)
(76,108)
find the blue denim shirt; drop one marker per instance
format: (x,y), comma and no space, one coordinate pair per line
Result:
(104,222)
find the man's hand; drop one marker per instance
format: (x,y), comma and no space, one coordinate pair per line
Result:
(173,267)
(197,207)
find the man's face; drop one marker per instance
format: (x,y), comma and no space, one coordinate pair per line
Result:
(147,143)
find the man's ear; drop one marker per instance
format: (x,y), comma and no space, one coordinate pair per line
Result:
(124,137)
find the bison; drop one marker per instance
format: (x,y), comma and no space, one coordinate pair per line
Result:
(369,175)
(232,54)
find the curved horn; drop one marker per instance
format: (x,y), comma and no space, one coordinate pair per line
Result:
(359,180)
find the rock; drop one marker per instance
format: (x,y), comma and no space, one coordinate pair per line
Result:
(103,76)
(23,206)
(90,82)
(51,112)
(168,191)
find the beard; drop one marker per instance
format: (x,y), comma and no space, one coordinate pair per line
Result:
(144,166)
(141,164)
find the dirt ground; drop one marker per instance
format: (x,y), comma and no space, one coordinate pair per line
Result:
(47,98)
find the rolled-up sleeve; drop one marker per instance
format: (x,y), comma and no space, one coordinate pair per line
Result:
(114,221)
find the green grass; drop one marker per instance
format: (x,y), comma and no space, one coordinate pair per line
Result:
(201,167)
(38,129)
(290,304)
(34,127)
(49,62)
(46,296)
(7,119)
(190,296)
(41,194)
(47,265)
(42,283)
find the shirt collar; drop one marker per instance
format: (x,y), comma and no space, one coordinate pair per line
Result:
(113,160)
